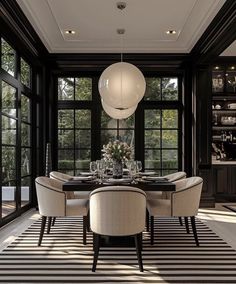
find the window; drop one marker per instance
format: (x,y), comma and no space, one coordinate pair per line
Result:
(16,134)
(112,129)
(161,125)
(161,140)
(25,73)
(8,58)
(154,130)
(8,149)
(26,150)
(74,125)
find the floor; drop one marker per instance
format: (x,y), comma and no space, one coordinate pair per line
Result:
(220,220)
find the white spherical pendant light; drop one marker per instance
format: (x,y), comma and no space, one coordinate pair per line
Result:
(122,85)
(118,113)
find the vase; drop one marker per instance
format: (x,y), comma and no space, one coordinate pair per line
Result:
(117,169)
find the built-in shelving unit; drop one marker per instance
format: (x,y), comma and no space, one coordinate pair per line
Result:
(224,113)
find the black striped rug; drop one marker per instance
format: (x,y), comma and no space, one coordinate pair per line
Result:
(62,258)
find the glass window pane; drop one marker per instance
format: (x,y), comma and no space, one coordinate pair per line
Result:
(83,139)
(25,108)
(83,158)
(152,159)
(153,89)
(65,138)
(170,89)
(8,130)
(8,99)
(83,118)
(8,163)
(152,118)
(152,139)
(25,190)
(83,88)
(25,135)
(170,159)
(104,119)
(8,198)
(25,161)
(66,118)
(66,89)
(170,139)
(8,58)
(66,159)
(25,73)
(170,118)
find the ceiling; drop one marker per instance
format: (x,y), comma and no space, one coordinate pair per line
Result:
(96,21)
(230,51)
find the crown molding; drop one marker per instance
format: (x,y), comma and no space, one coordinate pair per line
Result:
(218,36)
(16,27)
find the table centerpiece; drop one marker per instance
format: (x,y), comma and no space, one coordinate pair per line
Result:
(118,152)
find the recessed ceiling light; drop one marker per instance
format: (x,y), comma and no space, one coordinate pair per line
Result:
(171,32)
(70,32)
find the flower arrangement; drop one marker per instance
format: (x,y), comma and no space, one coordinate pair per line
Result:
(117,151)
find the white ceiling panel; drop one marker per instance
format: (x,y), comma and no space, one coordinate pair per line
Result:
(96,21)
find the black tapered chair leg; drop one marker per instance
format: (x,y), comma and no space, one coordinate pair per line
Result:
(88,222)
(49,224)
(194,230)
(152,230)
(53,221)
(85,220)
(180,221)
(137,239)
(186,224)
(43,223)
(96,245)
(147,220)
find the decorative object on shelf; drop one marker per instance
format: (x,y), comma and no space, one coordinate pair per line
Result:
(118,152)
(121,85)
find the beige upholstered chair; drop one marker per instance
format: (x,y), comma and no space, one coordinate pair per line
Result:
(164,195)
(117,211)
(184,202)
(70,194)
(52,202)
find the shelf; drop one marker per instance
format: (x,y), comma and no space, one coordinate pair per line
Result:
(224,127)
(222,97)
(224,110)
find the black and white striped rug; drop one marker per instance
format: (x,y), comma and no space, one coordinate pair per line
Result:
(63,258)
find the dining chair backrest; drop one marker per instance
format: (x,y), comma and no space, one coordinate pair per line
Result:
(185,201)
(117,210)
(60,176)
(176,176)
(51,198)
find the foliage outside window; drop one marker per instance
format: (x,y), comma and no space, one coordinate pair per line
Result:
(111,129)
(25,72)
(74,140)
(161,140)
(74,89)
(161,89)
(8,58)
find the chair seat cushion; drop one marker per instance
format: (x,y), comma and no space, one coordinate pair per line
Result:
(82,194)
(159,207)
(77,207)
(154,194)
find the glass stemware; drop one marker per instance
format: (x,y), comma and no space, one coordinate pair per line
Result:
(93,167)
(132,167)
(139,166)
(101,167)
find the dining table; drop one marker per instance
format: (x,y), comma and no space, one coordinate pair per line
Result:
(89,185)
(83,184)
